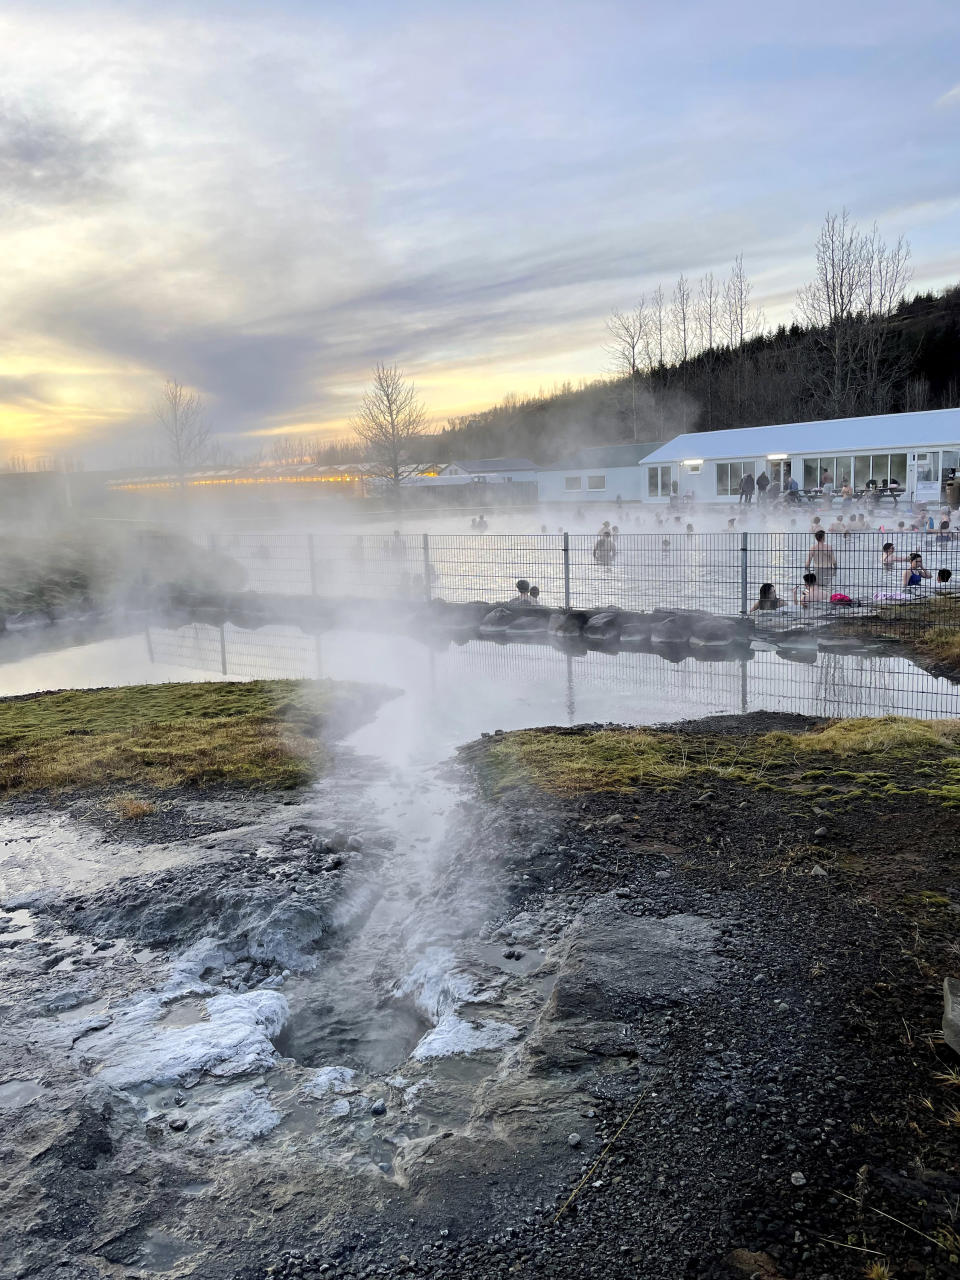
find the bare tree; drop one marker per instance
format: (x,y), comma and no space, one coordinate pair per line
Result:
(682,315)
(858,284)
(390,419)
(180,414)
(659,326)
(707,317)
(741,319)
(626,348)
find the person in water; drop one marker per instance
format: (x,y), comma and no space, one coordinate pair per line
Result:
(605,549)
(889,558)
(767,599)
(821,560)
(810,593)
(534,597)
(915,573)
(523,593)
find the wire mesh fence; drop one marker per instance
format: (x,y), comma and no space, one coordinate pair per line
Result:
(721,573)
(539,684)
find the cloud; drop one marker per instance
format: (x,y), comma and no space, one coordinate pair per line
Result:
(263,206)
(951,98)
(49,159)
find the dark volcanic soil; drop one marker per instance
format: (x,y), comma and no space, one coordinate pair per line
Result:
(740,1032)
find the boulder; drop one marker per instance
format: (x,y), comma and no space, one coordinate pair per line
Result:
(603,627)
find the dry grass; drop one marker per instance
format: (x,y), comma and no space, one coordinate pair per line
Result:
(264,734)
(133,808)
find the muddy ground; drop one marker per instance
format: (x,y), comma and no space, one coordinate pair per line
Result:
(687,1032)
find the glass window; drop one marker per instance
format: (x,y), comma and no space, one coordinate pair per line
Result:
(881,468)
(861,472)
(723,479)
(811,473)
(572,482)
(843,471)
(949,461)
(596,482)
(658,482)
(928,467)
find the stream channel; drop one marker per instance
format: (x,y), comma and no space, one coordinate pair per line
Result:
(343,978)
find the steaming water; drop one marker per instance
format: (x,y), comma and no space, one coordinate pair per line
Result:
(389,977)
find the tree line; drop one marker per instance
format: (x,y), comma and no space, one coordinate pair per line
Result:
(699,356)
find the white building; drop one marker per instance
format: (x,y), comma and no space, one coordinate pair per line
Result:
(600,474)
(921,451)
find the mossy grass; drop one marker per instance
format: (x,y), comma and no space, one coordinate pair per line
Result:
(882,757)
(263,734)
(930,627)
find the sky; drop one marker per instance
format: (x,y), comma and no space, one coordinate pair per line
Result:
(262,201)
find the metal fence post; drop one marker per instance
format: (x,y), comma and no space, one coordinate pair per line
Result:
(223,649)
(426,567)
(312,558)
(566,570)
(743,573)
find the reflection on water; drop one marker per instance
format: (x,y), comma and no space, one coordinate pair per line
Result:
(459,691)
(481,686)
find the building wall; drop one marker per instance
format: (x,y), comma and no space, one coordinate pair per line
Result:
(591,484)
(920,470)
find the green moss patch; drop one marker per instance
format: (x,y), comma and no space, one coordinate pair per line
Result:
(263,734)
(890,756)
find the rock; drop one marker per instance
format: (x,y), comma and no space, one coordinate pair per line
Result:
(798,1179)
(951,1013)
(817,870)
(379,1108)
(178,1124)
(821,831)
(753,1264)
(574,1140)
(70,999)
(615,820)
(354,844)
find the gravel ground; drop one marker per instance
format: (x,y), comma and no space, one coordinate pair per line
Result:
(735,1070)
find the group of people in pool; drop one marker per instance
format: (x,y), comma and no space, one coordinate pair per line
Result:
(820,570)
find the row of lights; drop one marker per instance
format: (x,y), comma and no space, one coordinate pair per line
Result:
(698,462)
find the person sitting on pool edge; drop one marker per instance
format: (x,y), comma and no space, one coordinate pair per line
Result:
(767,599)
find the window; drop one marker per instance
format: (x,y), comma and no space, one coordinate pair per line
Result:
(729,475)
(658,482)
(572,482)
(928,467)
(596,482)
(898,468)
(861,472)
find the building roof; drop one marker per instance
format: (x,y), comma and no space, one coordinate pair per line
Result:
(836,435)
(483,465)
(609,455)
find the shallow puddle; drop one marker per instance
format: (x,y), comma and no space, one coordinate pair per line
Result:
(16,1093)
(185,1013)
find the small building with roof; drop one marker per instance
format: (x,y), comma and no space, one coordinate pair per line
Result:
(916,453)
(599,474)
